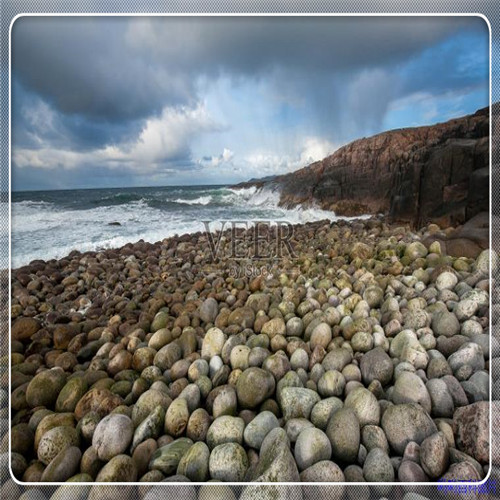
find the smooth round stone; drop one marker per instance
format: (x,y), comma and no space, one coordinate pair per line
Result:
(120,468)
(239,357)
(332,383)
(299,359)
(64,465)
(191,393)
(343,431)
(198,425)
(149,428)
(259,428)
(404,423)
(215,365)
(409,388)
(378,467)
(365,406)
(45,387)
(209,310)
(477,387)
(468,354)
(147,402)
(254,386)
(337,359)
(445,323)
(213,342)
(362,342)
(434,455)
(225,403)
(274,327)
(372,437)
(321,335)
(70,394)
(294,327)
(441,399)
(194,463)
(22,439)
(446,281)
(228,462)
(352,372)
(198,368)
(376,365)
(112,436)
(464,310)
(461,472)
(323,410)
(297,402)
(411,472)
(166,459)
(176,418)
(54,441)
(324,471)
(225,429)
(276,462)
(373,295)
(312,446)
(295,426)
(415,250)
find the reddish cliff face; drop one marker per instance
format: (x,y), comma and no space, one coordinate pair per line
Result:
(437,173)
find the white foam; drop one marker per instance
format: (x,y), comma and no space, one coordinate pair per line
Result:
(46,231)
(202,200)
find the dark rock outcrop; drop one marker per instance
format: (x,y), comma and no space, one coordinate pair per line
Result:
(437,173)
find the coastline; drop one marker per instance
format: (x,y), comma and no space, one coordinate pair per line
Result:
(156,361)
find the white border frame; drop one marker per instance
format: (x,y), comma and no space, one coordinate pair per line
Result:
(240,14)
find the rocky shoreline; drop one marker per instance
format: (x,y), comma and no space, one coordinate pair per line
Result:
(437,173)
(364,358)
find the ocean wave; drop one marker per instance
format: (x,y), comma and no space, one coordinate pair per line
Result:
(36,204)
(202,200)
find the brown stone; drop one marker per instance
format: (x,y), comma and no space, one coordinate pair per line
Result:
(472,430)
(24,328)
(101,401)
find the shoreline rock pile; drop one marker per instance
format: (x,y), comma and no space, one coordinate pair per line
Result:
(366,358)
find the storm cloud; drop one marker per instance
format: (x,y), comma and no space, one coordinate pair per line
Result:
(139,96)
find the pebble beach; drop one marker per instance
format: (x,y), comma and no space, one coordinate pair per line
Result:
(363,357)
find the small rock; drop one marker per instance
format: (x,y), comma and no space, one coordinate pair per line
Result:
(259,428)
(378,467)
(434,455)
(406,422)
(343,431)
(228,462)
(312,446)
(112,436)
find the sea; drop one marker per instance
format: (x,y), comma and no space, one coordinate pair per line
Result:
(50,224)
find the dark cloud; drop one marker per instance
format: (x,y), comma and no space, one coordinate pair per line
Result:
(129,68)
(113,100)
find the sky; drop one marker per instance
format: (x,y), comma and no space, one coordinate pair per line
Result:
(154,101)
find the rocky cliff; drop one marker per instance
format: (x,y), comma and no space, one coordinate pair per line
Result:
(437,173)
